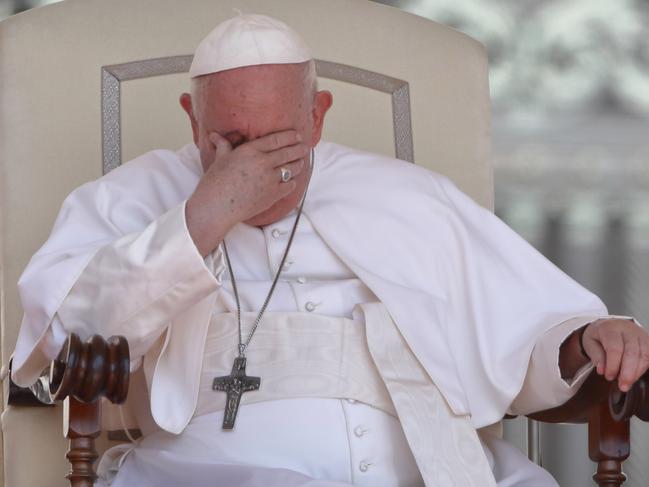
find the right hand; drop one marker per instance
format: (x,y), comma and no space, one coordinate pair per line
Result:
(241,183)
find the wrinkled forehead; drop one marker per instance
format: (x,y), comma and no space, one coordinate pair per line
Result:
(268,80)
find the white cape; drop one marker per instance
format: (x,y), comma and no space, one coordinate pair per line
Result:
(469,295)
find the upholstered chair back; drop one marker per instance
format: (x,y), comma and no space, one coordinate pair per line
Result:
(86,85)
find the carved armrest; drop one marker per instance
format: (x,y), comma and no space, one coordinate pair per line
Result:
(80,375)
(607,411)
(596,390)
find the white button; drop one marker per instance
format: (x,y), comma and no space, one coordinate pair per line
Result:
(359,431)
(301,279)
(276,233)
(364,466)
(310,306)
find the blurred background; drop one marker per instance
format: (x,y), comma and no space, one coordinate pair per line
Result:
(570,106)
(569,86)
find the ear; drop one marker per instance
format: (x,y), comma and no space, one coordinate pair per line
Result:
(321,104)
(186,103)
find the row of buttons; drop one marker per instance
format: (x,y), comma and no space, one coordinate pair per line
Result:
(309,306)
(359,432)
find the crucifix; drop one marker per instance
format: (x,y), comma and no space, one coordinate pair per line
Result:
(235,385)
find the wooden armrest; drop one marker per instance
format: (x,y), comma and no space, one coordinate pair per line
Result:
(80,375)
(607,411)
(595,391)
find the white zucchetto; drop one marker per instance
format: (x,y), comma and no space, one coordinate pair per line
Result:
(248,40)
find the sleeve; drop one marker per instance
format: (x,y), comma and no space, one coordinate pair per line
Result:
(502,296)
(137,284)
(129,284)
(544,388)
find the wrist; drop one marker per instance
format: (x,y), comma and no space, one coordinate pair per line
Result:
(571,358)
(205,226)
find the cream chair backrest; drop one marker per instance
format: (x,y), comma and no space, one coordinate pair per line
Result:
(87,84)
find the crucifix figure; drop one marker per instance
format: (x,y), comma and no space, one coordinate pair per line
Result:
(235,385)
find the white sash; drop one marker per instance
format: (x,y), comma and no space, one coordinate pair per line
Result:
(445,446)
(304,355)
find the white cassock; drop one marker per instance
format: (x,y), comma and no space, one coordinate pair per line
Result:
(465,298)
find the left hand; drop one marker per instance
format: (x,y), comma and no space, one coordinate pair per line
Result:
(619,349)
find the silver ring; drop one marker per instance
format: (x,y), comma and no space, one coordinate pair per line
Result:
(286,174)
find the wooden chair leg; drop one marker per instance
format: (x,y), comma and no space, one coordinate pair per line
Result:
(81,424)
(608,445)
(80,375)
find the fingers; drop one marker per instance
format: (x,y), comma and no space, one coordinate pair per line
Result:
(277,140)
(597,354)
(626,348)
(614,346)
(643,362)
(630,362)
(295,167)
(288,154)
(221,144)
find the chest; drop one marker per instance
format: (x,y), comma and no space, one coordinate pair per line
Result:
(313,278)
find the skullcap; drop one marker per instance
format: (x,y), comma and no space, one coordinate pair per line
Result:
(248,40)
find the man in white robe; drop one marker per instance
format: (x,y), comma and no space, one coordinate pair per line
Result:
(443,295)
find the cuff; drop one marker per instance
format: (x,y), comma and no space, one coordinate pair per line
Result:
(134,286)
(543,387)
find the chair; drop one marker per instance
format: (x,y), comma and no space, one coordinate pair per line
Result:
(88,84)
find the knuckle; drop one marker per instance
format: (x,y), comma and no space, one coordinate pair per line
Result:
(294,153)
(276,140)
(287,154)
(613,348)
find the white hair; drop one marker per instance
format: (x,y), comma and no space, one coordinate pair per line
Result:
(310,78)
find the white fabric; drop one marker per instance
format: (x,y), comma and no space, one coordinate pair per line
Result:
(256,257)
(284,443)
(456,280)
(315,275)
(248,40)
(297,354)
(445,445)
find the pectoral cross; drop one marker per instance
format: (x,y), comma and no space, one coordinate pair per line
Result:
(235,385)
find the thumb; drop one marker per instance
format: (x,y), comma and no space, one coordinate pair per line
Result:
(596,353)
(221,144)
